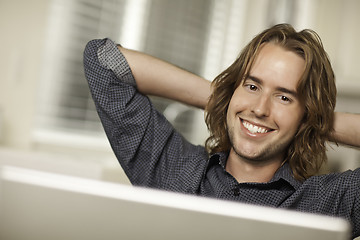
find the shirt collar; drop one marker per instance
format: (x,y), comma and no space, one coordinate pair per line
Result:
(284,172)
(217,158)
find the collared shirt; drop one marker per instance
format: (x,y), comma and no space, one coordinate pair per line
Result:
(153,154)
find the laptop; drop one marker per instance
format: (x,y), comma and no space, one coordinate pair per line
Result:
(41,205)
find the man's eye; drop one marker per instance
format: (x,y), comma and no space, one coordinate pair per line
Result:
(284,99)
(252,87)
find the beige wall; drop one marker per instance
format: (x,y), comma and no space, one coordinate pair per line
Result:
(22,28)
(337,23)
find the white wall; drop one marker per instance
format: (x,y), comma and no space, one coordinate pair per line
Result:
(337,23)
(22,28)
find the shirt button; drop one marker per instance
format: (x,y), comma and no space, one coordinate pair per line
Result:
(236,191)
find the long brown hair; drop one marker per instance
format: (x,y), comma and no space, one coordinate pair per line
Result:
(316,89)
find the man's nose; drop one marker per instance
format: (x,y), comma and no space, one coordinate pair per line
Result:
(262,106)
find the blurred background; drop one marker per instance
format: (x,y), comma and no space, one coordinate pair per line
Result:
(47,117)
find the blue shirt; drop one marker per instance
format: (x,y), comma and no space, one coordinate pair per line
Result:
(153,154)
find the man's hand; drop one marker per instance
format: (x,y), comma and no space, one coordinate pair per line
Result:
(347,129)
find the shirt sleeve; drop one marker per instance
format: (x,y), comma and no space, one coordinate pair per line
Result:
(340,196)
(355,193)
(148,148)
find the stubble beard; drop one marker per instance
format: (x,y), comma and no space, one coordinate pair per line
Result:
(266,154)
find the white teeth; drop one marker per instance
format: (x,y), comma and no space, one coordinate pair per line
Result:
(253,128)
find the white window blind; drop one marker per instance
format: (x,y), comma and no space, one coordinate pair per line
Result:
(171,30)
(176,32)
(64,98)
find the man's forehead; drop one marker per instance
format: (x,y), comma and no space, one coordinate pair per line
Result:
(278,64)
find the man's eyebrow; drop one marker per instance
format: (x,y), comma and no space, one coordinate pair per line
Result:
(280,89)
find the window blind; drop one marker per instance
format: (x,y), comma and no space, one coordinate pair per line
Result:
(172,30)
(64,98)
(176,32)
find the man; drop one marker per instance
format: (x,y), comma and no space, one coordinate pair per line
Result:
(288,83)
(269,115)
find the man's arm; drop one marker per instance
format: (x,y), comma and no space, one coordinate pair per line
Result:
(347,129)
(156,77)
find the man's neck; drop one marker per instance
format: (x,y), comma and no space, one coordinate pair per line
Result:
(251,171)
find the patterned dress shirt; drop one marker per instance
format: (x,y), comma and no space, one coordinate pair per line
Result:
(153,154)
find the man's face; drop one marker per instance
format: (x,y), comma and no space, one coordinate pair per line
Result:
(265,113)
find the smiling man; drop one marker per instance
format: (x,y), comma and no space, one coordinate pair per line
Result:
(264,115)
(269,115)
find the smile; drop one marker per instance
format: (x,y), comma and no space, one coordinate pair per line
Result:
(253,128)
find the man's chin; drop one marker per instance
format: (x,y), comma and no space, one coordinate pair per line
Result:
(250,156)
(255,157)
